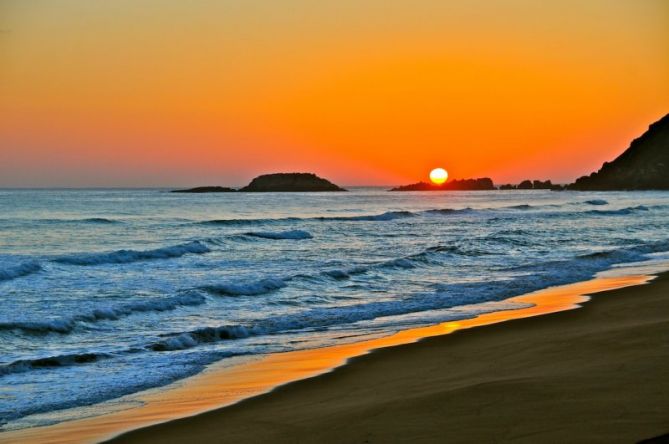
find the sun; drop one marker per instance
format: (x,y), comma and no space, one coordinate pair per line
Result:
(438,176)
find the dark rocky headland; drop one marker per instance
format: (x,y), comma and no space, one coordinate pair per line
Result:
(643,166)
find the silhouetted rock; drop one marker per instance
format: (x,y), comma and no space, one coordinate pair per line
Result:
(290,182)
(525,185)
(484,183)
(507,186)
(643,166)
(206,190)
(539,185)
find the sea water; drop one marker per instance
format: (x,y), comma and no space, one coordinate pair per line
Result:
(104,293)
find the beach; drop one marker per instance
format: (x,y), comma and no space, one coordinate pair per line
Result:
(595,374)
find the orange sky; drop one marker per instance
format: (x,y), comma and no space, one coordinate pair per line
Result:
(167,93)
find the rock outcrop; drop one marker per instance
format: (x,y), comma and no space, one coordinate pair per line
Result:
(206,190)
(533,185)
(643,166)
(483,183)
(290,182)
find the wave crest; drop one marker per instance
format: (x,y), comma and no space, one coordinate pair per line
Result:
(20,270)
(66,325)
(281,235)
(255,288)
(129,256)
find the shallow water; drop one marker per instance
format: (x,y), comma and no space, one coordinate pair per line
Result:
(108,292)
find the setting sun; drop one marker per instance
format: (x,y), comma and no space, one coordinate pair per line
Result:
(438,176)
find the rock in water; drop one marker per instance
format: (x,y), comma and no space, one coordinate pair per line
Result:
(290,182)
(483,183)
(206,190)
(643,166)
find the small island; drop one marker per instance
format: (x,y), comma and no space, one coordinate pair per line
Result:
(481,184)
(277,182)
(290,182)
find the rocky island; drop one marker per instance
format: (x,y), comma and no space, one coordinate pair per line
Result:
(284,182)
(643,166)
(484,183)
(290,182)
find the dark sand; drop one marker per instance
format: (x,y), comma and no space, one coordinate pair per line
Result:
(596,374)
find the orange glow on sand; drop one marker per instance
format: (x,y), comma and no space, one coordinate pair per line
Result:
(220,386)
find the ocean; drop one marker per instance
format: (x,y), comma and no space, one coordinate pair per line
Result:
(107,292)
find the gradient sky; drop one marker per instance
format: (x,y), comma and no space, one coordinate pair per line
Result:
(179,93)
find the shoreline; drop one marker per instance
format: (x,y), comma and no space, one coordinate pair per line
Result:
(222,387)
(597,374)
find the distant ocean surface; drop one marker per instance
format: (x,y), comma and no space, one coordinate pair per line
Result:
(104,293)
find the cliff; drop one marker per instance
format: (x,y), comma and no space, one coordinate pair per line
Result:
(643,166)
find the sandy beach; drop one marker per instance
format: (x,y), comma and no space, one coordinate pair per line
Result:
(596,374)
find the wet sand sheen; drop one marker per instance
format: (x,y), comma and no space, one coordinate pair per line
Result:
(220,387)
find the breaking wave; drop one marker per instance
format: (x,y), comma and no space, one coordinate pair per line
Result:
(382,217)
(445,296)
(596,202)
(128,256)
(620,212)
(20,270)
(66,325)
(255,288)
(24,365)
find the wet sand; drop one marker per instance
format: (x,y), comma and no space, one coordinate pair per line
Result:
(597,374)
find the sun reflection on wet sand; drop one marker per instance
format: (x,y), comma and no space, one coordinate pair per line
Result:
(223,385)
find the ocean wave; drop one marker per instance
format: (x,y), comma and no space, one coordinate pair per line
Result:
(387,216)
(128,256)
(107,312)
(537,276)
(428,256)
(20,270)
(254,288)
(233,222)
(620,212)
(24,365)
(339,274)
(100,220)
(596,202)
(444,296)
(447,211)
(383,217)
(280,235)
